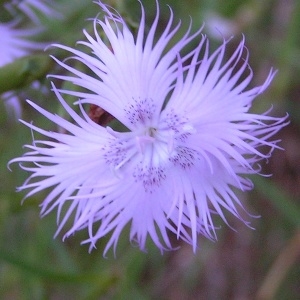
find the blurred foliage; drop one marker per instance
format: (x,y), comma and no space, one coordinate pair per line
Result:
(241,264)
(24,71)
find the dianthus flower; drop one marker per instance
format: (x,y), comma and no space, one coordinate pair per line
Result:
(189,138)
(32,8)
(16,42)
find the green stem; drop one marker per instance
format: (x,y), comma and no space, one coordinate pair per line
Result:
(24,71)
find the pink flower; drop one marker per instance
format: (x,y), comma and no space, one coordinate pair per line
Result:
(188,136)
(16,43)
(31,7)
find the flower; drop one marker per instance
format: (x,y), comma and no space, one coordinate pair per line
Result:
(189,137)
(31,7)
(15,43)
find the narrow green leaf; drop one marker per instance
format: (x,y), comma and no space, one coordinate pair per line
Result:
(52,275)
(281,200)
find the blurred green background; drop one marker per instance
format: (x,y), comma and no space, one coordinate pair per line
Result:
(246,264)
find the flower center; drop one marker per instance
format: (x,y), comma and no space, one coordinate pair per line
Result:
(145,140)
(148,151)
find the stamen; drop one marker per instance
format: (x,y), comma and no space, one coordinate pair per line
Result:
(189,128)
(143,141)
